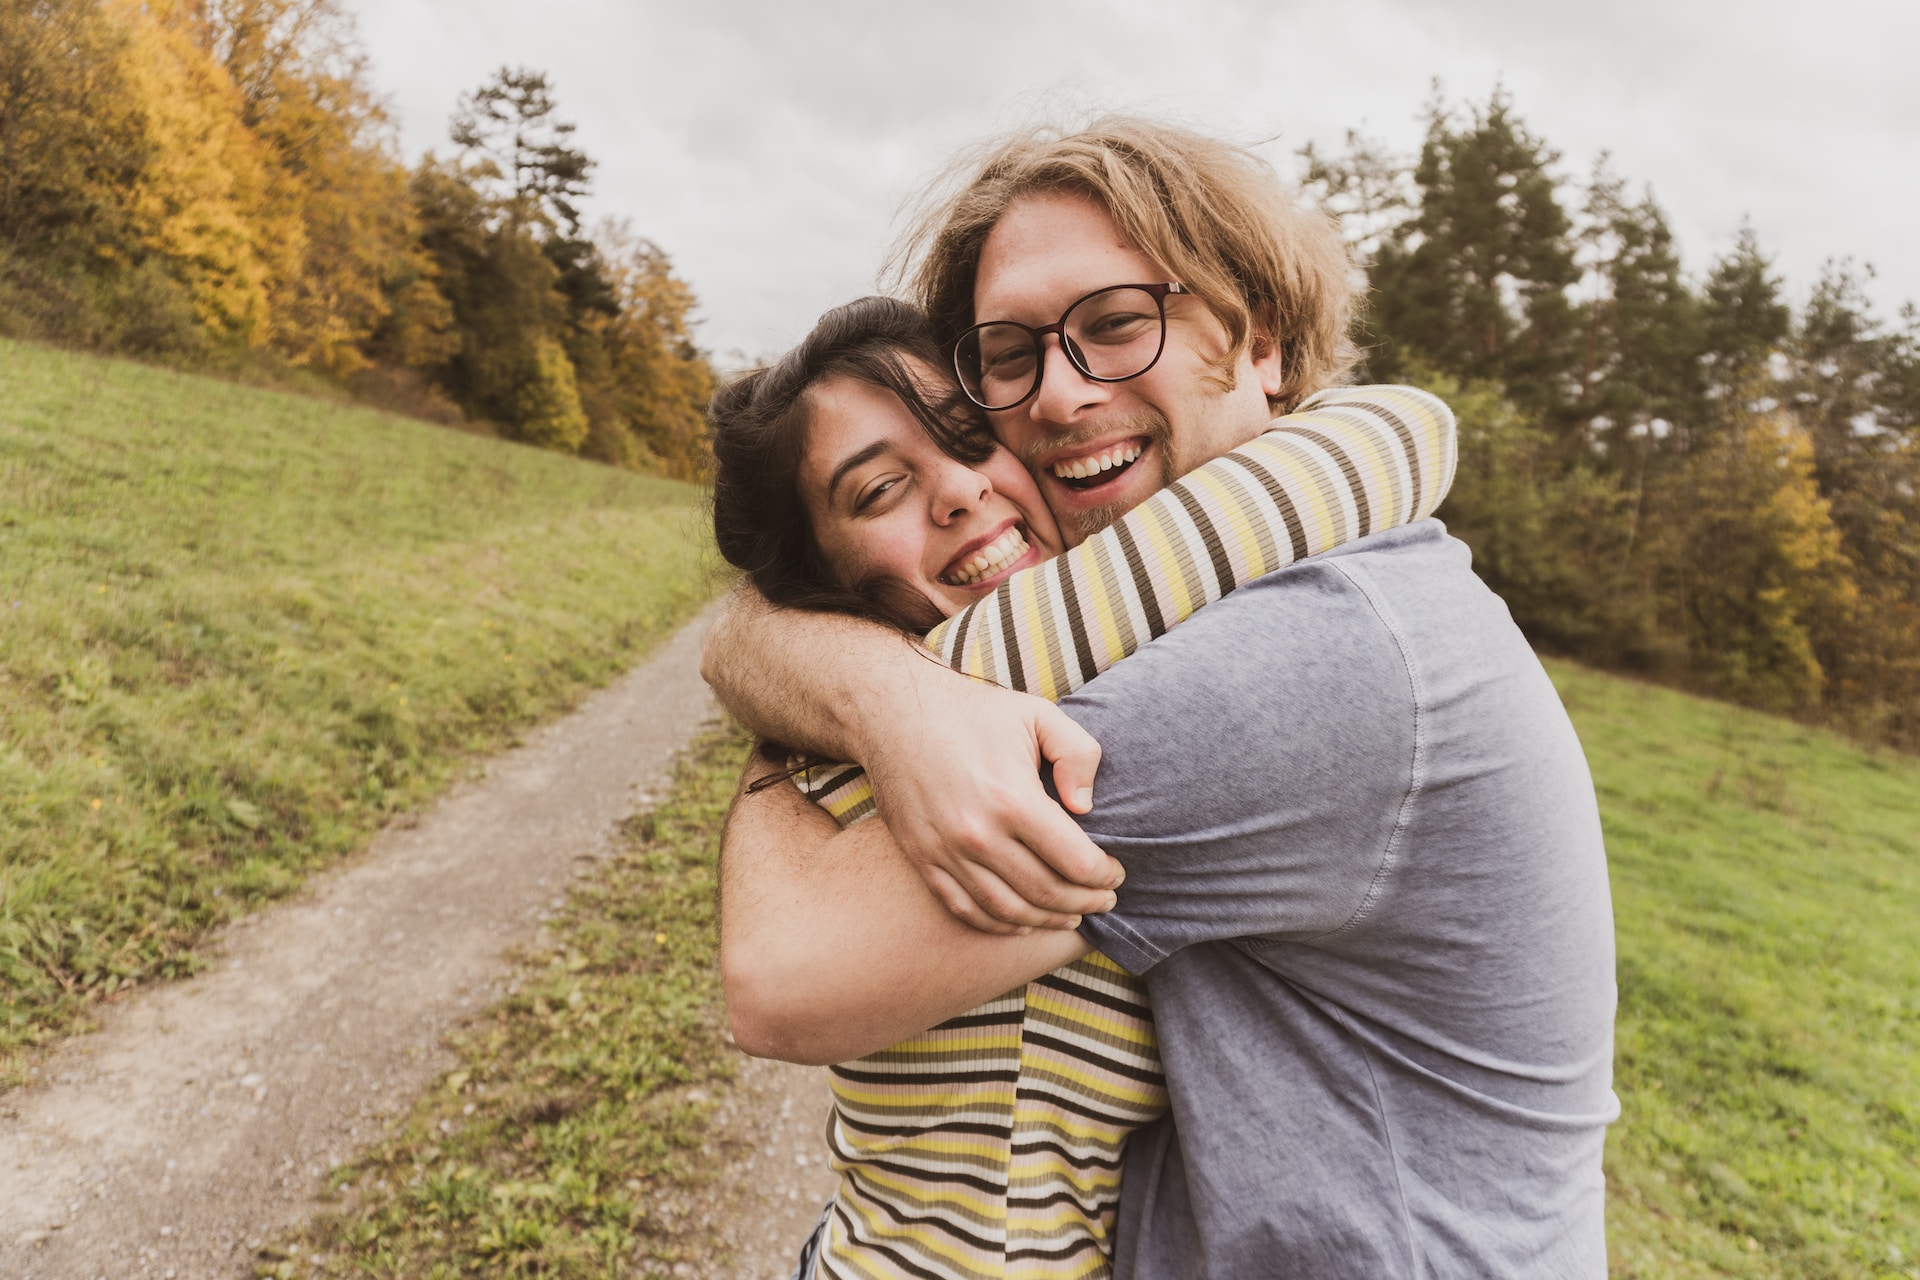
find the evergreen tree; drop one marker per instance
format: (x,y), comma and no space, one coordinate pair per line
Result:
(1475,281)
(1637,382)
(509,128)
(1744,321)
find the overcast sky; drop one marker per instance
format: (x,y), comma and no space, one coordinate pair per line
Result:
(769,145)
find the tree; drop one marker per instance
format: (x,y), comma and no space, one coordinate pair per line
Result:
(1475,281)
(1743,320)
(203,200)
(499,286)
(1367,188)
(547,400)
(302,82)
(70,136)
(508,130)
(1752,569)
(665,380)
(1637,374)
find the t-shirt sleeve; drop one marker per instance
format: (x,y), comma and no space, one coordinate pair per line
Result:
(1255,768)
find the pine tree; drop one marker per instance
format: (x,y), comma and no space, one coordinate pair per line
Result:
(1475,281)
(1637,378)
(508,131)
(1744,321)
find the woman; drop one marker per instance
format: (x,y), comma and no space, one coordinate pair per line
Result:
(851,476)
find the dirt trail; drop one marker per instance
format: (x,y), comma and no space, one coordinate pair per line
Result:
(204,1116)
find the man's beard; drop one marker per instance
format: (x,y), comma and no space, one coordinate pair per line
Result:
(1080,524)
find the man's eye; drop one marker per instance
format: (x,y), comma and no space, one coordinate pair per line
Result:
(1120,326)
(1012,360)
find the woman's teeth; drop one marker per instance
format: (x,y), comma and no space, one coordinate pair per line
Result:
(990,559)
(1094,464)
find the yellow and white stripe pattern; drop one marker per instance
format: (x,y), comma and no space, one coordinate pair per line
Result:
(990,1147)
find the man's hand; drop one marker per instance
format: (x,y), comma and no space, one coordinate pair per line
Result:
(956,778)
(955,764)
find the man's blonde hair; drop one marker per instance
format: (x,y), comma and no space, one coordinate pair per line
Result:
(1212,215)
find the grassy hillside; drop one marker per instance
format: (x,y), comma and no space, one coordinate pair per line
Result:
(1766,883)
(238,629)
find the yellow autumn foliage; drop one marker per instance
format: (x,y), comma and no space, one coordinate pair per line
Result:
(203,199)
(1755,572)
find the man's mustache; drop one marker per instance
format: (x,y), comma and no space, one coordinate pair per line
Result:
(1146,423)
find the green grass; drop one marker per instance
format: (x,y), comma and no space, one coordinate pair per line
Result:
(578,1120)
(239,629)
(1766,881)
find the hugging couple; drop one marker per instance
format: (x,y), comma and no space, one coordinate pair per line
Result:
(1218,890)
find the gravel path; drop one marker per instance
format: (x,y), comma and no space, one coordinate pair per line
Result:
(204,1115)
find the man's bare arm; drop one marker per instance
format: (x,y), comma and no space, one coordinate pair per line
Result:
(831,945)
(954,762)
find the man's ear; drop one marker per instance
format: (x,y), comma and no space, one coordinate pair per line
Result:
(1267,364)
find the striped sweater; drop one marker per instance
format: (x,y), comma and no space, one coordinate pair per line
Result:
(991,1145)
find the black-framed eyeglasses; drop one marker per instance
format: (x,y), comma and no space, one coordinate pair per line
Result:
(1110,335)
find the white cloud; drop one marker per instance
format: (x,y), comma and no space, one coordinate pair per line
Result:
(769,146)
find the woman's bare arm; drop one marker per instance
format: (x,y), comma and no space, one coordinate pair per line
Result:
(832,946)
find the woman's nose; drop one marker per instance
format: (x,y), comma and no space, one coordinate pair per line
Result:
(961,489)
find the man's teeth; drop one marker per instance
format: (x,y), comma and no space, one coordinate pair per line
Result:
(1094,464)
(990,559)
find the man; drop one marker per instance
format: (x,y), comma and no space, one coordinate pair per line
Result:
(1364,876)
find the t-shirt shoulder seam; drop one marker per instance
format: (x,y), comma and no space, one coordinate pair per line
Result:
(1416,764)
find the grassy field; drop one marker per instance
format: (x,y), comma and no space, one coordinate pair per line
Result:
(570,1138)
(1764,878)
(239,629)
(1766,881)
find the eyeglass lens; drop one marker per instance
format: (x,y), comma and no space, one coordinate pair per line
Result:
(1111,335)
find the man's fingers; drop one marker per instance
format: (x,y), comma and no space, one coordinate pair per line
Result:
(1075,757)
(1009,905)
(960,904)
(1058,841)
(1012,867)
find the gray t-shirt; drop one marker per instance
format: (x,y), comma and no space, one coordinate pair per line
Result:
(1366,884)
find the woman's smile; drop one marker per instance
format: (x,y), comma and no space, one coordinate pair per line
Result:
(987,562)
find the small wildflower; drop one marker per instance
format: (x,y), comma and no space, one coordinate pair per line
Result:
(659,939)
(96,802)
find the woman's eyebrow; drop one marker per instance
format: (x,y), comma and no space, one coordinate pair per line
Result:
(865,455)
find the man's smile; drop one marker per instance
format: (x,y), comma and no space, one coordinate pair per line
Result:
(1097,467)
